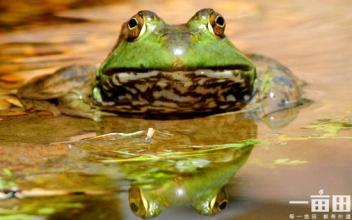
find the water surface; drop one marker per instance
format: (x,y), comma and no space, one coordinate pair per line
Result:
(261,165)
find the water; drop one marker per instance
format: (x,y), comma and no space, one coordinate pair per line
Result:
(66,170)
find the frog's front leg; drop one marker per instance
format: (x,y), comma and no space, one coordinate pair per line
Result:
(68,89)
(276,88)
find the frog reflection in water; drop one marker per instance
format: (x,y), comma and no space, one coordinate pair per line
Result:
(205,189)
(157,68)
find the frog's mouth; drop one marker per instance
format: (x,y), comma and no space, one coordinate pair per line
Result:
(237,67)
(204,89)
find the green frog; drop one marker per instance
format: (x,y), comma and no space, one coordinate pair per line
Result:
(159,69)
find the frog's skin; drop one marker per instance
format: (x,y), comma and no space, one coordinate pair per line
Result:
(158,68)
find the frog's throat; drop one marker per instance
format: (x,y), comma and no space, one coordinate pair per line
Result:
(156,91)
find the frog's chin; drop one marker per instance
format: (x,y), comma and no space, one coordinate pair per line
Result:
(156,91)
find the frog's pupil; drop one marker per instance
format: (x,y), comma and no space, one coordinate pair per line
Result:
(132,23)
(220,21)
(223,205)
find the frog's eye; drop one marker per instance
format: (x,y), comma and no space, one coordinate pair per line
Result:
(219,202)
(217,24)
(135,27)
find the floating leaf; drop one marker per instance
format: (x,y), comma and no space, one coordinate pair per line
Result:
(287,161)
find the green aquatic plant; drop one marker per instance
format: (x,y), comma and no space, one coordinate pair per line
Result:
(323,129)
(330,127)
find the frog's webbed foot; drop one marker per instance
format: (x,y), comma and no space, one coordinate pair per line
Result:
(276,88)
(83,110)
(73,108)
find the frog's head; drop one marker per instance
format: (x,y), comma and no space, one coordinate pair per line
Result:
(146,42)
(184,61)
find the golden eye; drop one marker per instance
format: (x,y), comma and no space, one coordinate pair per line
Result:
(217,24)
(136,27)
(219,202)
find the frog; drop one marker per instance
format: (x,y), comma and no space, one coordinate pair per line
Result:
(158,69)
